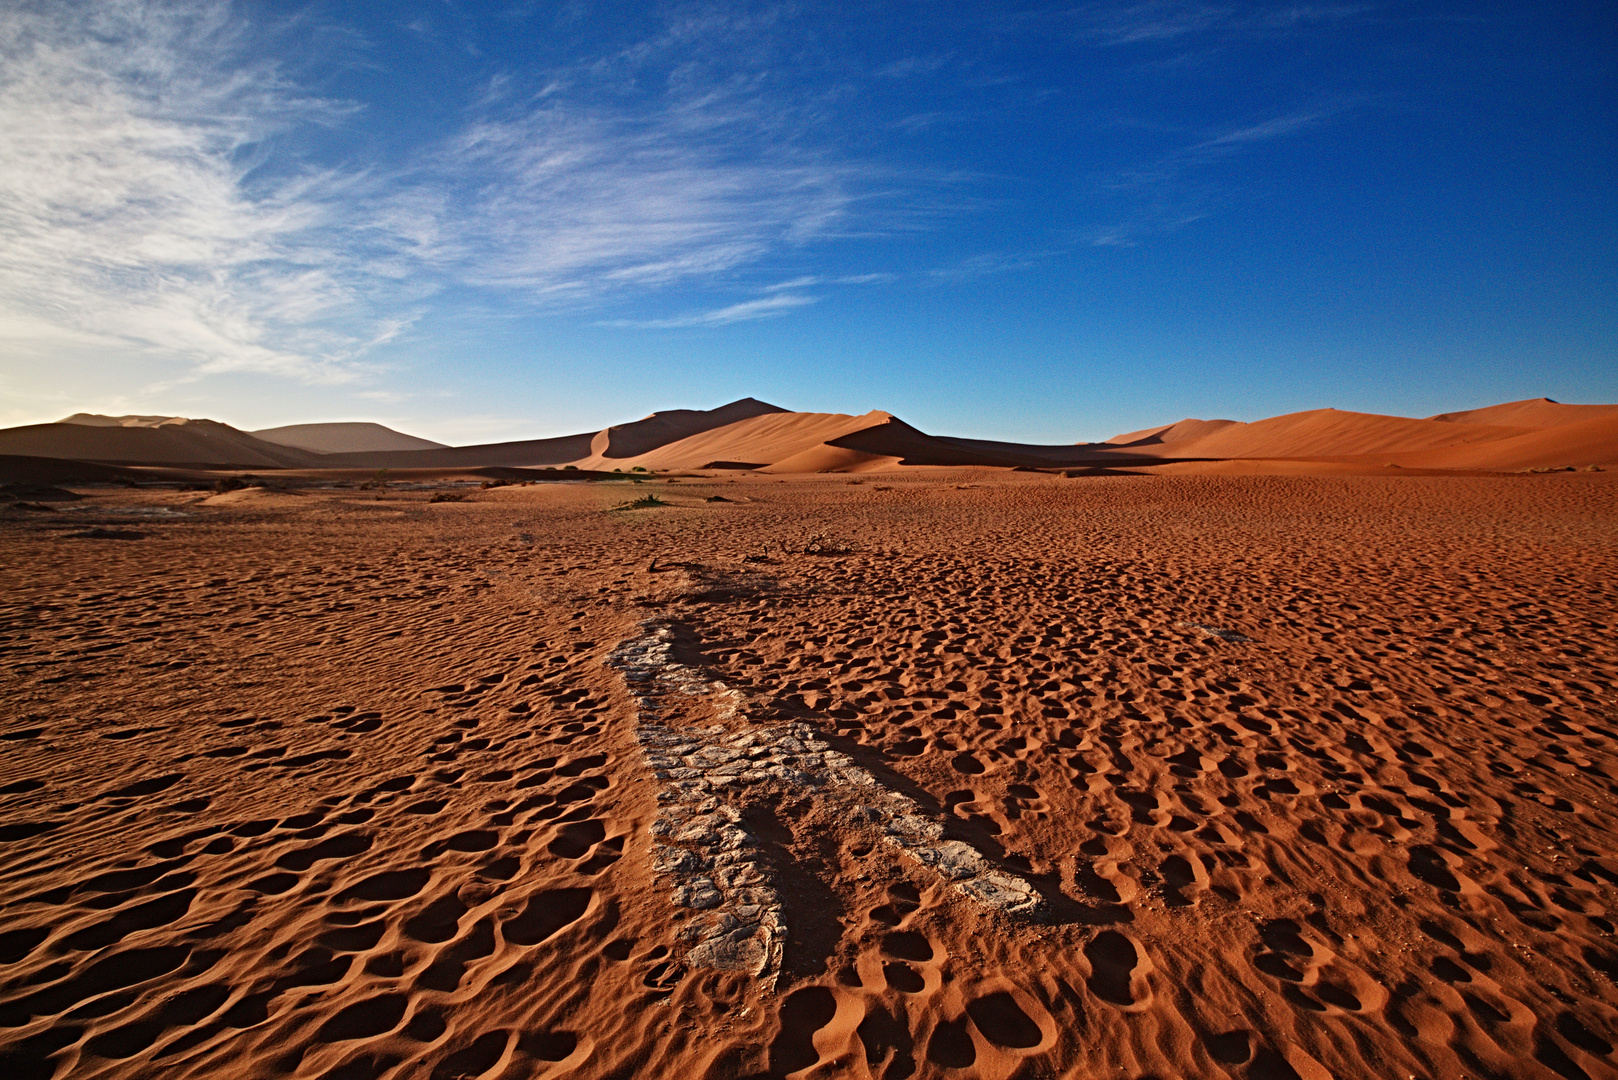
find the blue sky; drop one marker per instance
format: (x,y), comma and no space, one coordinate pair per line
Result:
(1047,222)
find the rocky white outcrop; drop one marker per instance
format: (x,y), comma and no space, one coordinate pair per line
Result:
(714,865)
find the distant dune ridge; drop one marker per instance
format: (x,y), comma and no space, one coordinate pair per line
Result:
(350,438)
(1535,434)
(1182,431)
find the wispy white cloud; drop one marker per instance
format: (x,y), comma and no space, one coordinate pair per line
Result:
(912,66)
(1174,191)
(1155,21)
(768,307)
(1159,20)
(150,207)
(1273,128)
(570,200)
(135,212)
(990,264)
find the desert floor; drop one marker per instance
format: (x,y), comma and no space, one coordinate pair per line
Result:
(955,774)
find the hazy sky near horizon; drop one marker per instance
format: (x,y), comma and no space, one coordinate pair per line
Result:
(1038,221)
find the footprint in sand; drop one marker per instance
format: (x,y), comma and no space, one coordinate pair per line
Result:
(1118,970)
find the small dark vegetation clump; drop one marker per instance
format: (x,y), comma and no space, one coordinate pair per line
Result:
(244,481)
(645,502)
(447,496)
(819,544)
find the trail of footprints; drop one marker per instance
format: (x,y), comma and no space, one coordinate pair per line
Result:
(895,1011)
(1210,775)
(1213,777)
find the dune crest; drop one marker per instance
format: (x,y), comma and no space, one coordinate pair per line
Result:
(1532,413)
(1178,432)
(100,420)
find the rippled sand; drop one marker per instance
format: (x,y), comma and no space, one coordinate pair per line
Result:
(955,774)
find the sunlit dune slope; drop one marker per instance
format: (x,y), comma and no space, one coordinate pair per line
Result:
(1182,431)
(1532,413)
(623,441)
(1333,433)
(1588,442)
(757,440)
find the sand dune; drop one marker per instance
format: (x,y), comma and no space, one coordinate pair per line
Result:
(892,439)
(183,442)
(518,454)
(613,447)
(344,438)
(752,434)
(1532,413)
(1180,431)
(625,441)
(1578,444)
(1331,433)
(758,440)
(101,420)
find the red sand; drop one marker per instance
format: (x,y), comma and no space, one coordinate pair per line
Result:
(1301,777)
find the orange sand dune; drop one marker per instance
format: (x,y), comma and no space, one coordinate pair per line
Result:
(1332,433)
(759,440)
(185,442)
(1182,431)
(1532,413)
(892,438)
(659,429)
(346,438)
(1579,444)
(829,458)
(752,433)
(896,441)
(614,444)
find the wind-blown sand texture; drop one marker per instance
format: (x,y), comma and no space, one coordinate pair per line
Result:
(941,773)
